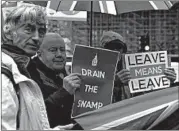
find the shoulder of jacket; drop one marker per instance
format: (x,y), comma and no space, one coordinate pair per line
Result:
(8,62)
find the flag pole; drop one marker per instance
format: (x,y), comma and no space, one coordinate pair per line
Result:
(91,23)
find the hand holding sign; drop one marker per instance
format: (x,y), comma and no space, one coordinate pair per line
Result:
(170,74)
(72,82)
(124,76)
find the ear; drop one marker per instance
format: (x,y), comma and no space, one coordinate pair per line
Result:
(8,35)
(14,34)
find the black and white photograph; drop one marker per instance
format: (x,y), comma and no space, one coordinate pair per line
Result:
(89,65)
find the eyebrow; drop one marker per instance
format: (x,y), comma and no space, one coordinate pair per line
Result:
(32,24)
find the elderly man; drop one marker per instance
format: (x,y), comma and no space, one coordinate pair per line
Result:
(52,78)
(114,41)
(22,100)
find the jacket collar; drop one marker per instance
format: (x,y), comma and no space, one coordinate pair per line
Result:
(9,63)
(19,56)
(13,49)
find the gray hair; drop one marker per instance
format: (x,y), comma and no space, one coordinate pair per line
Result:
(22,14)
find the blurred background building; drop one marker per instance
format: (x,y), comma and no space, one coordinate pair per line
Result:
(157,29)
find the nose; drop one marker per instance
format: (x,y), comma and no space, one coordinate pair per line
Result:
(59,53)
(35,36)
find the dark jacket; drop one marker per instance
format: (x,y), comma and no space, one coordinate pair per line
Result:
(57,100)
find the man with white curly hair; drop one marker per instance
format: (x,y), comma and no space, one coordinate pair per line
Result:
(22,101)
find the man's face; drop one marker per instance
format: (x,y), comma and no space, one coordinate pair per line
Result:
(28,37)
(53,53)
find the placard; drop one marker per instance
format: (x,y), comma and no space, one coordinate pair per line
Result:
(97,67)
(147,71)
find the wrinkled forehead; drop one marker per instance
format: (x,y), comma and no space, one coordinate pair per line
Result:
(31,25)
(32,21)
